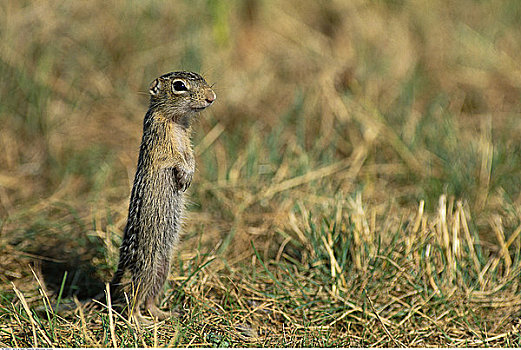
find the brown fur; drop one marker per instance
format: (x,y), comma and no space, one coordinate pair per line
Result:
(165,169)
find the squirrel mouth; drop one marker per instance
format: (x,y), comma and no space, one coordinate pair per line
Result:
(201,107)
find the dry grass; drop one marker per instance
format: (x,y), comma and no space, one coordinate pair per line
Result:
(358,178)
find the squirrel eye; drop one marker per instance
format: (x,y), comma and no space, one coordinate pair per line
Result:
(178,85)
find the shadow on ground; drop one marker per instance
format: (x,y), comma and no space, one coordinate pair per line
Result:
(63,265)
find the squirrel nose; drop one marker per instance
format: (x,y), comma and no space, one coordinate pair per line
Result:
(210,96)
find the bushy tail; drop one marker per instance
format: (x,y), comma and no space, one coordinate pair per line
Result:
(114,284)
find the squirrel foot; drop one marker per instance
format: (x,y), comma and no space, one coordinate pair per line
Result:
(154,311)
(139,319)
(157,313)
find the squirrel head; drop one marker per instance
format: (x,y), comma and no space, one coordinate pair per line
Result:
(179,95)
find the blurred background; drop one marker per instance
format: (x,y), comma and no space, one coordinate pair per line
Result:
(320,105)
(431,89)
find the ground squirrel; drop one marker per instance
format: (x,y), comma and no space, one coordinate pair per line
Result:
(165,168)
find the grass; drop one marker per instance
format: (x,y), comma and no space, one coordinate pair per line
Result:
(358,178)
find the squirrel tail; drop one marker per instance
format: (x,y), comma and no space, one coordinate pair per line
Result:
(117,277)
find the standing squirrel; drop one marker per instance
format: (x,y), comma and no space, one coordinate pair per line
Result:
(165,169)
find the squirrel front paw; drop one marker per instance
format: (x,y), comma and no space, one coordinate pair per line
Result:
(183,177)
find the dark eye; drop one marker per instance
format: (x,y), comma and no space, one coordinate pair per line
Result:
(178,85)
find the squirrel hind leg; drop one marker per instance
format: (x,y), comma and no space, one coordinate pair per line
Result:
(160,275)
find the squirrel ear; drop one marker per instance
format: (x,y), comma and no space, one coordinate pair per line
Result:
(155,87)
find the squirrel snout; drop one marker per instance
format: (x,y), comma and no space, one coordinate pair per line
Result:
(210,96)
